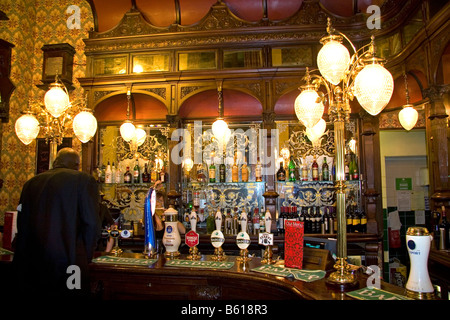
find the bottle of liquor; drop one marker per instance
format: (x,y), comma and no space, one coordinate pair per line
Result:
(346,171)
(153,174)
(127,177)
(212,171)
(113,173)
(222,172)
(444,229)
(256,221)
(304,170)
(119,175)
(301,216)
(333,171)
(326,221)
(291,167)
(281,173)
(244,172)
(315,170)
(258,171)
(363,227)
(356,221)
(308,228)
(108,174)
(317,220)
(201,173)
(163,174)
(349,219)
(325,170)
(235,171)
(281,221)
(145,174)
(354,171)
(136,172)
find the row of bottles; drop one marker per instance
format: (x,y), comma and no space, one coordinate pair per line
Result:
(113,174)
(314,172)
(321,220)
(239,173)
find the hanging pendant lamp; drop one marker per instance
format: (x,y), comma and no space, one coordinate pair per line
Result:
(408,116)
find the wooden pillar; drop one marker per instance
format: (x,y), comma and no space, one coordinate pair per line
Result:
(437,137)
(371,169)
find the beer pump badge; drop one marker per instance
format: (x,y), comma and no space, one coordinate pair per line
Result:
(265,238)
(243,240)
(191,238)
(217,238)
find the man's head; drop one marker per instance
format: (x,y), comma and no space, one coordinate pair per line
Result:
(67,158)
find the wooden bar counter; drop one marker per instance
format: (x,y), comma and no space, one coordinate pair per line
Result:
(158,281)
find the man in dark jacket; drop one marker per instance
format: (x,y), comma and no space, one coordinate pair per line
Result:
(58,227)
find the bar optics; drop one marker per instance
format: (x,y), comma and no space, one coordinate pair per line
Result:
(344,77)
(55,116)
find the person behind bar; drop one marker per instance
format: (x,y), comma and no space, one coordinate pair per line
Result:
(58,226)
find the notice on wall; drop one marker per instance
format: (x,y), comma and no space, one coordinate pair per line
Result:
(403,184)
(404,200)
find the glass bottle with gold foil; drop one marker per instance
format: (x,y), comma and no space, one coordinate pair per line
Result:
(235,171)
(244,172)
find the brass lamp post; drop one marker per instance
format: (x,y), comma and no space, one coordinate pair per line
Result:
(344,77)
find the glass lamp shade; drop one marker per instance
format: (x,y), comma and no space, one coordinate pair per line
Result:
(408,117)
(308,111)
(56,100)
(332,60)
(84,126)
(317,131)
(373,88)
(220,130)
(141,135)
(188,164)
(127,131)
(27,128)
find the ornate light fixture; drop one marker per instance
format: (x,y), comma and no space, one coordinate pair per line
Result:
(317,131)
(127,129)
(135,136)
(220,128)
(408,115)
(344,76)
(55,116)
(308,105)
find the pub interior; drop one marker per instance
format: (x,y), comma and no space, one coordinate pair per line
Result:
(261,193)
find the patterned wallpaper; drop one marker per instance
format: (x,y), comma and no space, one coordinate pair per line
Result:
(32,24)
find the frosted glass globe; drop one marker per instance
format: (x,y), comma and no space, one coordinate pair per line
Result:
(333,60)
(56,101)
(308,111)
(27,128)
(408,117)
(373,88)
(127,131)
(84,126)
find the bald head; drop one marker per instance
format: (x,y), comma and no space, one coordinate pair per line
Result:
(67,158)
